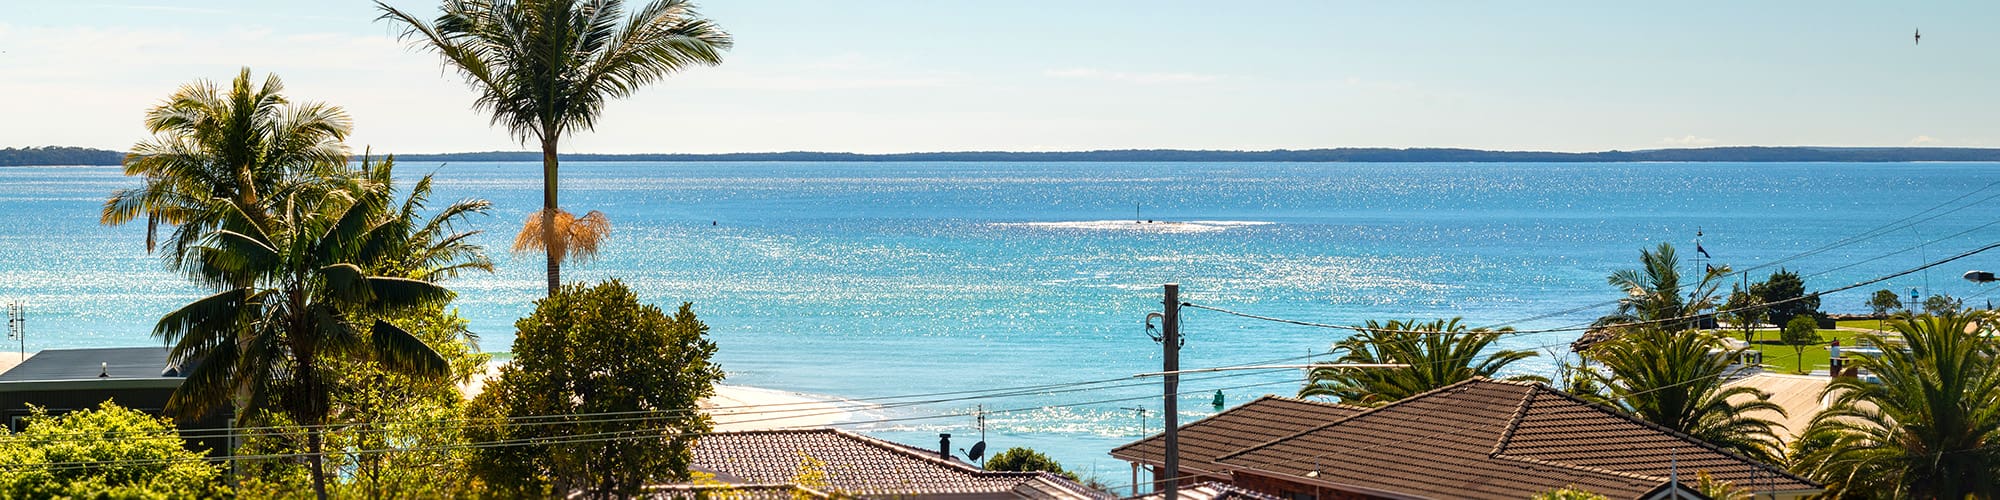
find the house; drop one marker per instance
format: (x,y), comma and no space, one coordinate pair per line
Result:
(140,378)
(824,461)
(1475,439)
(1249,424)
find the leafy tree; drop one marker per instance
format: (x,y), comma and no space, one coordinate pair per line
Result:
(242,145)
(1676,380)
(134,455)
(299,293)
(1941,304)
(592,351)
(1745,311)
(1568,493)
(1800,332)
(1884,301)
(545,68)
(1718,489)
(1929,429)
(1439,352)
(1020,459)
(397,436)
(1784,295)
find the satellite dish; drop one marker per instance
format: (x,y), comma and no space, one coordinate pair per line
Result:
(978,451)
(1979,276)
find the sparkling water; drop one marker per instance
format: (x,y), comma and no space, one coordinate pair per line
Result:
(865,280)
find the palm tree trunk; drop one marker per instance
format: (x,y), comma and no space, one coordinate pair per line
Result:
(549,240)
(318,466)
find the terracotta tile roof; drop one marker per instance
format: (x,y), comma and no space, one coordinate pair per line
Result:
(733,492)
(1212,491)
(864,466)
(1492,439)
(1246,425)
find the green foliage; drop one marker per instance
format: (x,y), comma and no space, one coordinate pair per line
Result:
(1800,332)
(306,275)
(1718,489)
(597,350)
(1676,380)
(1941,304)
(1884,301)
(1929,429)
(1021,459)
(1568,493)
(1785,295)
(244,145)
(1745,310)
(1653,292)
(546,68)
(1439,352)
(143,458)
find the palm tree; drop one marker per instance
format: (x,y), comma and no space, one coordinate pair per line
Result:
(1652,297)
(1653,292)
(1929,429)
(1676,380)
(297,291)
(545,68)
(238,145)
(1440,353)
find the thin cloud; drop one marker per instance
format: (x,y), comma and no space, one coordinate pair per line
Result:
(1687,140)
(1121,76)
(1925,140)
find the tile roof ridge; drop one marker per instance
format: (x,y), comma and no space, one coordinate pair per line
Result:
(1513,423)
(1191,423)
(1329,404)
(1459,385)
(1583,468)
(905,450)
(1679,435)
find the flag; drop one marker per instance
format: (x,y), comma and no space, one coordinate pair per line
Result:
(1711,269)
(1703,251)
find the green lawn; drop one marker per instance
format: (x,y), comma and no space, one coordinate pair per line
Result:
(1780,357)
(1865,324)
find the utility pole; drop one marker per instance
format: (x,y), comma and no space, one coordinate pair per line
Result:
(1170,345)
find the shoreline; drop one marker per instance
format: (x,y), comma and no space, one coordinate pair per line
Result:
(737,407)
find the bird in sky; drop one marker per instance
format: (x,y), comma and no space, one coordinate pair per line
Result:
(1919,40)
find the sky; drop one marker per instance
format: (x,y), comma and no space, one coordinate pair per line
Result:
(1062,75)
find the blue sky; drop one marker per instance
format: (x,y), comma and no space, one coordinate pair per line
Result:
(892,76)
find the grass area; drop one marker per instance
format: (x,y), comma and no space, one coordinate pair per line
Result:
(1865,324)
(1781,357)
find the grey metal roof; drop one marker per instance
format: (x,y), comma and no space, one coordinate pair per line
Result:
(86,364)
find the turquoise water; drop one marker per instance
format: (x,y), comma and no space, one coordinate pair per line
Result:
(864,280)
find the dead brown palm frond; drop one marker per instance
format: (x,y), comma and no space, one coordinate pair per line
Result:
(576,238)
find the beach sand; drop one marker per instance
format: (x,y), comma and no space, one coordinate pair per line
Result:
(733,407)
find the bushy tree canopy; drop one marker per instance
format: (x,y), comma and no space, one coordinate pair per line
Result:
(596,350)
(142,455)
(1020,459)
(1784,294)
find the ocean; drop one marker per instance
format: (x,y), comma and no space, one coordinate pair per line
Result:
(871,280)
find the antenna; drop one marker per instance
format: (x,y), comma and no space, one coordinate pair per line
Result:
(978,449)
(17,326)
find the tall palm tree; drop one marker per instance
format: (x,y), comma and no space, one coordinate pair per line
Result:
(240,144)
(1929,429)
(297,291)
(1676,380)
(545,68)
(1440,353)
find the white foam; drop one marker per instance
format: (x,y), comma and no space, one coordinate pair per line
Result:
(1205,226)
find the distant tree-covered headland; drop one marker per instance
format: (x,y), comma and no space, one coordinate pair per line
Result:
(83,156)
(58,155)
